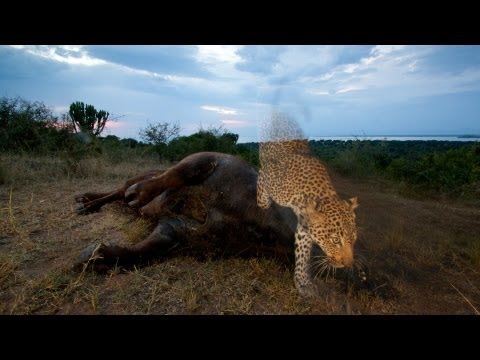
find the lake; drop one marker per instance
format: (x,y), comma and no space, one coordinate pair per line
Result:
(400,137)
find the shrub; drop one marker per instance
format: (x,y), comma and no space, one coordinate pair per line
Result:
(30,126)
(203,140)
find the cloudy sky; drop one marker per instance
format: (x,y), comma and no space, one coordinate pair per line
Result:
(331,90)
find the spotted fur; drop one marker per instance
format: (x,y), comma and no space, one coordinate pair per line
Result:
(292,177)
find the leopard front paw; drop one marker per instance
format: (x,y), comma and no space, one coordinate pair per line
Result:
(306,288)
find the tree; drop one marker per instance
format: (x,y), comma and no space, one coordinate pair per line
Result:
(159,135)
(87,119)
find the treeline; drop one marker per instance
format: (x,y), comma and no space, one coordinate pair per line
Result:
(32,127)
(182,146)
(432,168)
(421,168)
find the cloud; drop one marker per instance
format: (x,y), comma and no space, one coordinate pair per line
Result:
(183,83)
(235,123)
(259,59)
(60,109)
(220,61)
(392,74)
(79,56)
(317,92)
(305,59)
(220,110)
(116,124)
(67,54)
(386,49)
(164,59)
(350,68)
(348,89)
(212,54)
(412,66)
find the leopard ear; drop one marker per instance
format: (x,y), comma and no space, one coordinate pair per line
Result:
(353,203)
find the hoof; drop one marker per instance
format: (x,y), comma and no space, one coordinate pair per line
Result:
(80,199)
(84,209)
(131,192)
(88,255)
(132,196)
(134,203)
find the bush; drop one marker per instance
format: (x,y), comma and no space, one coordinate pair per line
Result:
(401,169)
(433,168)
(29,126)
(450,171)
(249,153)
(357,160)
(203,140)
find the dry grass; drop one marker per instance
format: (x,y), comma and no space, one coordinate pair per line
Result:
(186,286)
(18,170)
(136,230)
(411,251)
(474,252)
(468,301)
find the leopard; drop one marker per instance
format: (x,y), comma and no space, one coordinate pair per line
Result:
(291,176)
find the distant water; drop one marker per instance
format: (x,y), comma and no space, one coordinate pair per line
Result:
(400,137)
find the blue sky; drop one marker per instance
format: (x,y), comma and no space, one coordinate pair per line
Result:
(331,90)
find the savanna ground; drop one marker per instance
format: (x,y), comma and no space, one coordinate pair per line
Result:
(420,256)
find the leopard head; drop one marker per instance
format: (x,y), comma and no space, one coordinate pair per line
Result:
(331,224)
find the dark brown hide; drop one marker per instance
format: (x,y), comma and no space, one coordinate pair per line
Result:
(203,206)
